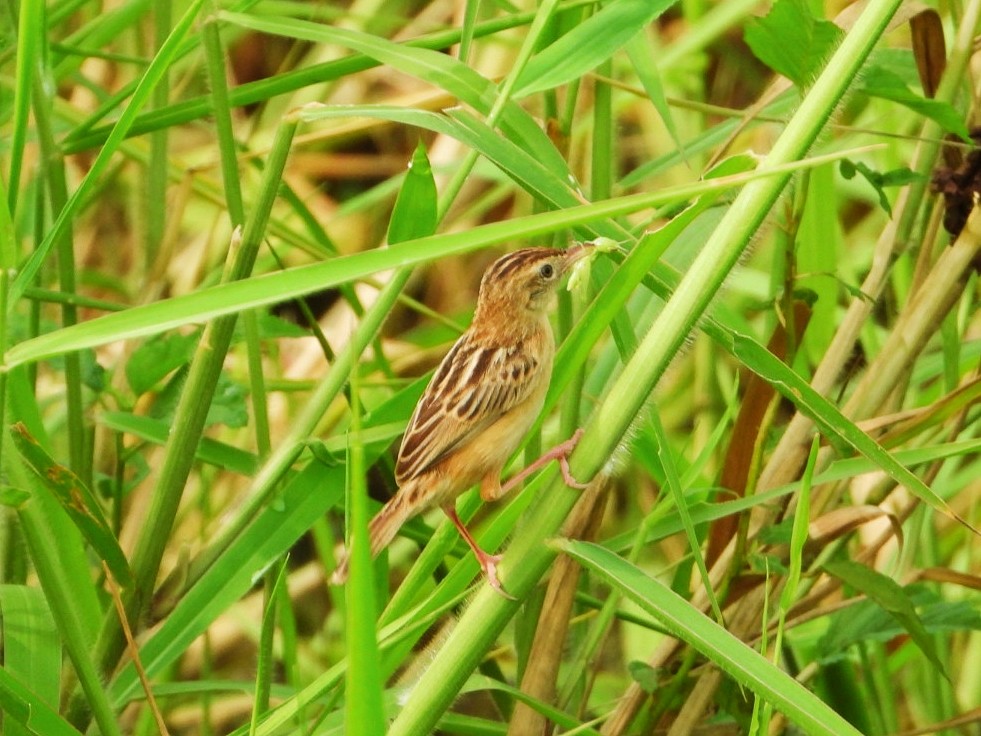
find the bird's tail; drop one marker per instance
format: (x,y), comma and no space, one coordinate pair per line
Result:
(381,531)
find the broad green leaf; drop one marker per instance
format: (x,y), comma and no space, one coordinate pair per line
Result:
(742,663)
(82,507)
(22,706)
(159,356)
(152,361)
(588,45)
(31,645)
(878,81)
(228,402)
(792,42)
(13,497)
(304,499)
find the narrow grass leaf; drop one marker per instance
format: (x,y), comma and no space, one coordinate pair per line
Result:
(141,95)
(588,45)
(85,136)
(30,34)
(273,288)
(21,706)
(798,538)
(306,498)
(75,497)
(155,431)
(265,661)
(891,597)
(363,683)
(523,167)
(414,214)
(59,560)
(835,425)
(433,67)
(641,54)
(31,645)
(743,664)
(681,504)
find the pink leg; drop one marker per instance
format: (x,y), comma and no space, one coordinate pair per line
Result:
(488,562)
(561,453)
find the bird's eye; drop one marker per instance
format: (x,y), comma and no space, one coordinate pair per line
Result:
(546,271)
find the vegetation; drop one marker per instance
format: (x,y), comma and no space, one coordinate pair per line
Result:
(224,287)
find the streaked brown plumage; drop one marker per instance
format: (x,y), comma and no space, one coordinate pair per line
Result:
(481,401)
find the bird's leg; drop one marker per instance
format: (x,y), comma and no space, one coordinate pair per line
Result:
(487,561)
(561,453)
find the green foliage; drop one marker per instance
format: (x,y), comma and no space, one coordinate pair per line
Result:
(771,283)
(881,81)
(588,44)
(414,213)
(792,42)
(880,179)
(76,499)
(891,598)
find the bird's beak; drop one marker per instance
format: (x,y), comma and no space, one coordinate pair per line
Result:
(575,253)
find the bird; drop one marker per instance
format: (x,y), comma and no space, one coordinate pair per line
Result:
(481,401)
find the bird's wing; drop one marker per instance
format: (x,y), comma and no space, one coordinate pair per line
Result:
(473,387)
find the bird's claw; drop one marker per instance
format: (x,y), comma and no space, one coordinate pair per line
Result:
(488,563)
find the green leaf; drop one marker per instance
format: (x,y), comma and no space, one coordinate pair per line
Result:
(13,497)
(272,327)
(867,621)
(682,620)
(891,597)
(644,675)
(879,81)
(414,215)
(434,67)
(228,405)
(31,645)
(880,179)
(152,361)
(588,45)
(835,426)
(305,498)
(792,42)
(22,706)
(259,291)
(211,451)
(642,56)
(77,500)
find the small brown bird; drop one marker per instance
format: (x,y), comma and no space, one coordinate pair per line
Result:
(480,403)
